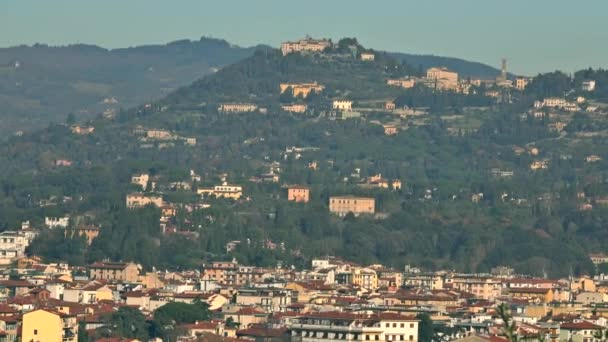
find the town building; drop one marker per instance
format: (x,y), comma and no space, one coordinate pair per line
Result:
(390,130)
(301,89)
(298,193)
(159,134)
(89,232)
(521,83)
(342,205)
(223,191)
(237,107)
(57,222)
(306,45)
(139,200)
(82,130)
(141,179)
(12,246)
(114,271)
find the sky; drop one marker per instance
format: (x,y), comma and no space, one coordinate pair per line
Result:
(534,35)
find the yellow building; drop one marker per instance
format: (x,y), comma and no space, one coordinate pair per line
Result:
(48,326)
(342,205)
(366,278)
(114,271)
(301,88)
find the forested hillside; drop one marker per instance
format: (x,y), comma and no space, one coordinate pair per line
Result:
(470,198)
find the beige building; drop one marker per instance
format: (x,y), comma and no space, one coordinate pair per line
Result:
(521,83)
(237,107)
(223,191)
(390,130)
(403,83)
(305,45)
(46,326)
(294,108)
(298,193)
(481,286)
(141,180)
(342,205)
(114,271)
(159,134)
(139,200)
(443,78)
(301,89)
(368,56)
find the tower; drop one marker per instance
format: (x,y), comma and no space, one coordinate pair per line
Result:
(503,73)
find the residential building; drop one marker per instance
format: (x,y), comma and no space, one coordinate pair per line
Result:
(237,107)
(588,85)
(343,105)
(114,271)
(141,179)
(301,89)
(579,332)
(55,222)
(294,108)
(269,299)
(159,134)
(406,83)
(443,78)
(335,326)
(44,325)
(223,191)
(368,56)
(539,165)
(342,205)
(82,130)
(390,130)
(298,193)
(598,258)
(139,200)
(390,105)
(484,287)
(89,232)
(521,83)
(12,246)
(306,45)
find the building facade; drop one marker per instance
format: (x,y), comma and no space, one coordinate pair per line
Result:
(342,205)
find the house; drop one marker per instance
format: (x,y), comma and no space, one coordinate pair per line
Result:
(331,326)
(539,165)
(82,130)
(306,45)
(301,89)
(63,162)
(592,158)
(542,295)
(47,325)
(12,246)
(268,299)
(54,222)
(598,258)
(90,232)
(368,56)
(298,193)
(140,200)
(90,293)
(442,78)
(114,271)
(521,82)
(342,205)
(390,105)
(223,191)
(237,107)
(159,134)
(343,105)
(579,331)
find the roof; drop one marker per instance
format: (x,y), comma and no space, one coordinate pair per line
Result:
(580,326)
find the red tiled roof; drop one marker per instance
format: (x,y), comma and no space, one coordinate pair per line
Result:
(580,326)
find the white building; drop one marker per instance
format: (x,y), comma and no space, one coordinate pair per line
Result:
(343,105)
(368,56)
(54,222)
(141,180)
(588,85)
(12,246)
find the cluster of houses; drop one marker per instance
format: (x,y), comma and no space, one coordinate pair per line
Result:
(332,300)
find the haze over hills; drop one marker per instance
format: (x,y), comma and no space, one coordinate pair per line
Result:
(41,84)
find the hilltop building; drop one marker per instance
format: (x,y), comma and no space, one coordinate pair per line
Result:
(342,205)
(306,45)
(301,89)
(139,200)
(298,193)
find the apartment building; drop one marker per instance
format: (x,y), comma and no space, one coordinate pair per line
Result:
(306,45)
(298,193)
(368,56)
(12,246)
(342,205)
(139,200)
(336,326)
(294,108)
(269,299)
(56,222)
(484,287)
(114,271)
(521,83)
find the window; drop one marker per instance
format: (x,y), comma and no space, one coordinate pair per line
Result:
(411,337)
(411,325)
(401,337)
(403,325)
(388,325)
(35,331)
(367,337)
(394,325)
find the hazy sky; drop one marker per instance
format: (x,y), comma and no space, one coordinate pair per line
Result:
(535,35)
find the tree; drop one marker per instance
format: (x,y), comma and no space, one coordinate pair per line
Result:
(425,327)
(170,315)
(128,322)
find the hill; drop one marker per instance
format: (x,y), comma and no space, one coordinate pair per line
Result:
(463,67)
(473,195)
(41,84)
